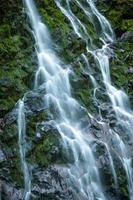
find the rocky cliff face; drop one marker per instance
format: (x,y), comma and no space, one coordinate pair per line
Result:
(18,64)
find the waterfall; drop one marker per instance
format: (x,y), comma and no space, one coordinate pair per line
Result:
(101,55)
(68,116)
(22,149)
(66,113)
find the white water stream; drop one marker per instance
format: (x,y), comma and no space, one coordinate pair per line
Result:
(22,149)
(66,112)
(118,98)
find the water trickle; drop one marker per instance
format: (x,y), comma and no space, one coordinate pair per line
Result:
(22,149)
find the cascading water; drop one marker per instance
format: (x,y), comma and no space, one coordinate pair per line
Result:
(22,149)
(118,98)
(123,113)
(66,113)
(70,119)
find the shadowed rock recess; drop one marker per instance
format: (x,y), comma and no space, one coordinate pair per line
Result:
(47,156)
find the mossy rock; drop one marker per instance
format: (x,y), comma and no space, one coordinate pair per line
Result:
(15,55)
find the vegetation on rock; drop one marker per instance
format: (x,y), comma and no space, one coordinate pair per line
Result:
(17,66)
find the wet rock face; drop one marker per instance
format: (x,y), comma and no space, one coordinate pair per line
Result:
(43,151)
(10,192)
(49,184)
(2,156)
(18,63)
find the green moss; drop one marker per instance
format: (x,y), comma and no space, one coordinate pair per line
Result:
(9,140)
(127,24)
(16,173)
(32,122)
(84,96)
(44,153)
(114,16)
(16,68)
(118,12)
(120,65)
(14,78)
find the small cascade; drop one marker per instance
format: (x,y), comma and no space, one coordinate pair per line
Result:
(22,149)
